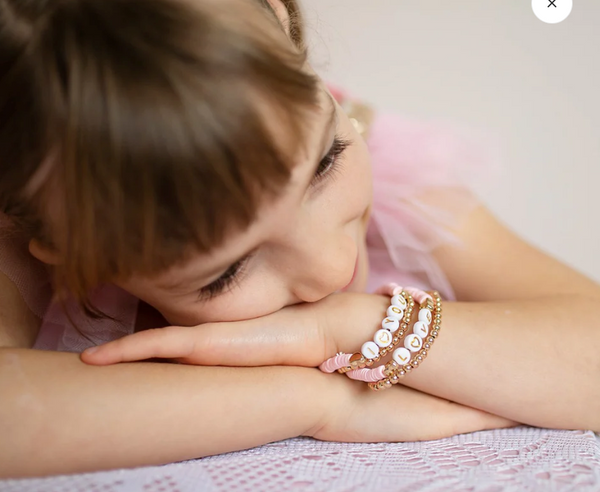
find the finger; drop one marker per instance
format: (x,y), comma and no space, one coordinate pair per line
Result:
(283,338)
(172,342)
(278,339)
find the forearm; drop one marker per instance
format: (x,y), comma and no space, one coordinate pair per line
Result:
(533,361)
(59,415)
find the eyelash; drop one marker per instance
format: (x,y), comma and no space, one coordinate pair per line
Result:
(326,169)
(331,162)
(232,275)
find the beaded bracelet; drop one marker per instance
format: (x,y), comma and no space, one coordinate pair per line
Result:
(397,319)
(393,370)
(412,343)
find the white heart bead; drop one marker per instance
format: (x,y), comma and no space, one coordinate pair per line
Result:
(370,350)
(425,316)
(391,324)
(421,329)
(395,312)
(398,300)
(412,342)
(401,356)
(383,338)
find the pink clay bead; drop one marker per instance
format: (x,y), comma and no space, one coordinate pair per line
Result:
(396,290)
(388,289)
(367,375)
(417,294)
(336,362)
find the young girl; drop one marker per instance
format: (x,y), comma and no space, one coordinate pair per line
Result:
(177,162)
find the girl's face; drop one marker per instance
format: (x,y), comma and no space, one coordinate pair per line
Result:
(305,245)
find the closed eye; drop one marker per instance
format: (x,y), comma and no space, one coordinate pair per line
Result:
(225,281)
(332,159)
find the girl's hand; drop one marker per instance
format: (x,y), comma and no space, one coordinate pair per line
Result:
(354,413)
(301,335)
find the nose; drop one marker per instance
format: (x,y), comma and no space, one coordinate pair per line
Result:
(323,262)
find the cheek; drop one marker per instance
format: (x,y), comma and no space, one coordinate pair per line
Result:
(255,298)
(357,189)
(227,307)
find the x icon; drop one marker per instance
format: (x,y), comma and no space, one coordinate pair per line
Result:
(552,4)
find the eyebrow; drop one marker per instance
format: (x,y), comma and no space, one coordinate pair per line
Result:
(332,121)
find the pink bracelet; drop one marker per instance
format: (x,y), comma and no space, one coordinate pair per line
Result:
(399,311)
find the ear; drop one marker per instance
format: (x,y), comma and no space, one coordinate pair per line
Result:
(282,14)
(43,253)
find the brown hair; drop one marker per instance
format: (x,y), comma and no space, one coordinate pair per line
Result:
(145,123)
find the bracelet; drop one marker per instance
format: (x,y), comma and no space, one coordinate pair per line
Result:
(393,328)
(393,370)
(412,343)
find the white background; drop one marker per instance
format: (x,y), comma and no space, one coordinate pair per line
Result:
(495,65)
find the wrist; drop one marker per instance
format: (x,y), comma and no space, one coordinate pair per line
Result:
(324,399)
(365,314)
(307,389)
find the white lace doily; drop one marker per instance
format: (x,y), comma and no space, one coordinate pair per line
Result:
(520,460)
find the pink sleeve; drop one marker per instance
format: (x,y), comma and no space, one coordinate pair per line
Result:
(425,178)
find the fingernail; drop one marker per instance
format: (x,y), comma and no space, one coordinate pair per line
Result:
(91,350)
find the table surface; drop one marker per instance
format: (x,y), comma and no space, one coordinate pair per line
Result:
(520,460)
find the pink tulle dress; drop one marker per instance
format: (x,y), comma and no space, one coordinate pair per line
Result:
(410,159)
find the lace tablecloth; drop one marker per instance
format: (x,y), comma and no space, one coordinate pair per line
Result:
(507,460)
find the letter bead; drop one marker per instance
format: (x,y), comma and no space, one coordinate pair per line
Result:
(399,301)
(383,338)
(401,356)
(391,324)
(370,350)
(395,312)
(425,316)
(421,329)
(412,342)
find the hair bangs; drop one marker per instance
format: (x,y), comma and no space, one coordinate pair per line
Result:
(162,113)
